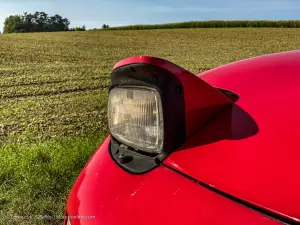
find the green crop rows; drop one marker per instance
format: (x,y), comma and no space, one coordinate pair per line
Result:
(53,98)
(214,24)
(55,84)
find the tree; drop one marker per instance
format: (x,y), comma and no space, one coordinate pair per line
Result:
(37,22)
(104,26)
(40,20)
(83,28)
(12,24)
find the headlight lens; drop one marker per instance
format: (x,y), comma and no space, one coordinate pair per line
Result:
(135,118)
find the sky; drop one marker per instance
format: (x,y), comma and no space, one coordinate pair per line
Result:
(95,13)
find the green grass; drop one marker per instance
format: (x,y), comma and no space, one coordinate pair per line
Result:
(53,98)
(34,177)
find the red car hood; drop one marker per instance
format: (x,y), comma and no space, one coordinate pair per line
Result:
(106,194)
(252,151)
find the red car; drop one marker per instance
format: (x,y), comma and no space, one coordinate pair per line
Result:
(222,147)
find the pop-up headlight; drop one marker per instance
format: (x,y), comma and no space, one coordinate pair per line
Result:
(135,118)
(154,107)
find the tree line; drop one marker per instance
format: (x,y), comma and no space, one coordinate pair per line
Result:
(214,24)
(42,22)
(36,22)
(39,22)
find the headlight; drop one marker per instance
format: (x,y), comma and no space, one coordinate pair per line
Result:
(135,118)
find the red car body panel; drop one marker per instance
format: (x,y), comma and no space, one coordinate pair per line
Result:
(252,151)
(162,196)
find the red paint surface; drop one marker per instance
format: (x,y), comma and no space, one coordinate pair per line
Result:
(253,150)
(161,196)
(202,101)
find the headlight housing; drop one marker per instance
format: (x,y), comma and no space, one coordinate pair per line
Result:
(154,106)
(135,118)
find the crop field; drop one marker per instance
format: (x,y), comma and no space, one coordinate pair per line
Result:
(53,98)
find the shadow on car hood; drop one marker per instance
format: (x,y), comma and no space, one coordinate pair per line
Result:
(252,151)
